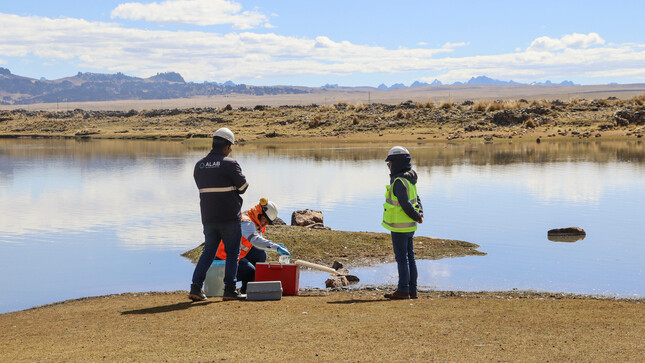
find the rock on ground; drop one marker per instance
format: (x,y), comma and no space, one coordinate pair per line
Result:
(305,217)
(336,281)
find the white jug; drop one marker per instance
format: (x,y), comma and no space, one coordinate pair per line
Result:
(214,283)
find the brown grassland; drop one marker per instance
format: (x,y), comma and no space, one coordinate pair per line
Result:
(480,120)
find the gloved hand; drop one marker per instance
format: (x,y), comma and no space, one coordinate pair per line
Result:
(283,251)
(281,245)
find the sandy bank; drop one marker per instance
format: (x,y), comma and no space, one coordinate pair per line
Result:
(331,326)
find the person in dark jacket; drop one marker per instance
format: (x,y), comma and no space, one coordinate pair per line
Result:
(402,212)
(220,182)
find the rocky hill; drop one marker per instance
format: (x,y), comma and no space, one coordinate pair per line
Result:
(84,87)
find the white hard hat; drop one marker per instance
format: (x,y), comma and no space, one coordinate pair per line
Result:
(225,134)
(397,150)
(269,210)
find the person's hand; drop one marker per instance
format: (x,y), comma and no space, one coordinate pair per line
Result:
(420,218)
(281,245)
(283,251)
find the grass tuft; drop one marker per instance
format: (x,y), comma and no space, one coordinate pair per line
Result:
(480,106)
(447,105)
(495,106)
(639,100)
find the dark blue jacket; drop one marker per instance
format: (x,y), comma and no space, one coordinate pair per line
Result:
(220,182)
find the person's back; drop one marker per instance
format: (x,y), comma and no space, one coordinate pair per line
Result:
(220,182)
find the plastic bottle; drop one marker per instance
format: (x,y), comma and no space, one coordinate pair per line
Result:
(214,283)
(284,259)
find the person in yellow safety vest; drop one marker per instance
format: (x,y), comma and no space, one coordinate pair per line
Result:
(402,212)
(253,244)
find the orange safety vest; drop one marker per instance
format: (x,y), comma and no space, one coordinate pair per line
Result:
(245,246)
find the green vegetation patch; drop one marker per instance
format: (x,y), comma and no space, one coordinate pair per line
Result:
(352,248)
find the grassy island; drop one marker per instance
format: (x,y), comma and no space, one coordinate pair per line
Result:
(352,248)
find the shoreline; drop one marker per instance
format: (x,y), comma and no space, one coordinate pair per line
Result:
(428,293)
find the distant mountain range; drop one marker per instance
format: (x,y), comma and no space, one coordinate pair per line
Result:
(83,87)
(480,80)
(18,90)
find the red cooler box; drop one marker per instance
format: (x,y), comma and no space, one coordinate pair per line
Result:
(288,274)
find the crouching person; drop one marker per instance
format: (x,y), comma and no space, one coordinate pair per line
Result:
(254,246)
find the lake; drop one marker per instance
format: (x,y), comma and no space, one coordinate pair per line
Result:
(93,217)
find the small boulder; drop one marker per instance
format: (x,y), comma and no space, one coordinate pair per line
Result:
(279,222)
(336,281)
(338,266)
(305,217)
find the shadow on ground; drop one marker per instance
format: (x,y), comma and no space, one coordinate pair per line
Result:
(167,308)
(356,301)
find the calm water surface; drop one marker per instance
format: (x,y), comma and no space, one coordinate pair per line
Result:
(83,218)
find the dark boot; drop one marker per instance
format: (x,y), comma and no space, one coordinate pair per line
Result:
(196,293)
(397,295)
(231,294)
(244,285)
(414,295)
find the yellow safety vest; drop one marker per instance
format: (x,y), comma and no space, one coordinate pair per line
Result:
(394,217)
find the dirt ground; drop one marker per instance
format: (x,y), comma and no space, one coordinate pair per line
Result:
(329,326)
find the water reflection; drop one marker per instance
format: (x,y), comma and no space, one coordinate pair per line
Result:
(564,238)
(441,154)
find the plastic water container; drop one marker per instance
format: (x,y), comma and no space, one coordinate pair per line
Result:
(214,283)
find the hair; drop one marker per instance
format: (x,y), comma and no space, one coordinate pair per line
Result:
(220,143)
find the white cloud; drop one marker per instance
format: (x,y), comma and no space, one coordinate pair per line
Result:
(202,55)
(630,72)
(196,12)
(454,45)
(574,40)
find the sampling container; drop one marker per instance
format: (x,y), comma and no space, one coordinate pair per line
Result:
(214,283)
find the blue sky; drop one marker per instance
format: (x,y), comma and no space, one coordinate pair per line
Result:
(311,43)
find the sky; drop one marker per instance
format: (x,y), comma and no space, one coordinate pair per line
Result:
(313,43)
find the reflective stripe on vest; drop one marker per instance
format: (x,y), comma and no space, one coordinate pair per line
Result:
(245,245)
(222,189)
(397,204)
(401,225)
(394,217)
